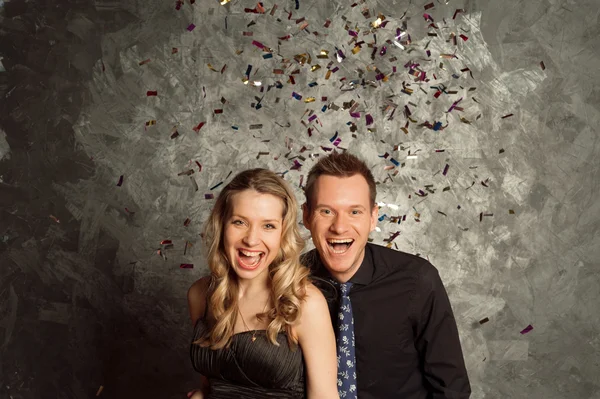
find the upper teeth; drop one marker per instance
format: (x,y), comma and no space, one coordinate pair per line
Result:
(340,241)
(249,253)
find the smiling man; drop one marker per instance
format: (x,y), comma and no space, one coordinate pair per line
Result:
(396,333)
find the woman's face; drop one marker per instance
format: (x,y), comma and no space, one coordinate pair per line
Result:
(252,234)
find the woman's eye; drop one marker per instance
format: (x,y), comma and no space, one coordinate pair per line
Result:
(237,222)
(270,226)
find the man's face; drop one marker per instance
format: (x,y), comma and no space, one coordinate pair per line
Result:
(340,219)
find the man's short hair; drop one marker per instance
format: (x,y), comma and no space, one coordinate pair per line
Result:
(339,164)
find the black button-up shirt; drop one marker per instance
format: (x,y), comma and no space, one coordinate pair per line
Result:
(407,344)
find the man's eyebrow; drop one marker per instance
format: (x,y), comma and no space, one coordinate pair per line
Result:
(351,206)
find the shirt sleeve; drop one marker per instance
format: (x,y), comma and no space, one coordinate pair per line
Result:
(436,338)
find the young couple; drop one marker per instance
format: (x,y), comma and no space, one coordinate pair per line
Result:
(358,321)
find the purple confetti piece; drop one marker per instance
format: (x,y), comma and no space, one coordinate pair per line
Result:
(337,142)
(369,119)
(297,165)
(334,70)
(352,33)
(355,114)
(191,27)
(312,118)
(527,329)
(258,44)
(209,196)
(446,169)
(454,104)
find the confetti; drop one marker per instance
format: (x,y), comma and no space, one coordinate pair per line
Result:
(100,390)
(527,329)
(542,65)
(55,218)
(428,6)
(197,128)
(191,27)
(483,321)
(186,266)
(446,169)
(151,123)
(144,62)
(507,116)
(209,196)
(151,93)
(216,185)
(120,181)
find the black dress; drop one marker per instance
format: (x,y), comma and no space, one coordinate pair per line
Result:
(250,369)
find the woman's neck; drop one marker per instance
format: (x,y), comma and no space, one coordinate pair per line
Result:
(252,288)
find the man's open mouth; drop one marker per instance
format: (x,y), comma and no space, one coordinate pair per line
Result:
(250,258)
(339,246)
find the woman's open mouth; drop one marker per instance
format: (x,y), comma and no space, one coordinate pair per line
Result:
(249,259)
(340,246)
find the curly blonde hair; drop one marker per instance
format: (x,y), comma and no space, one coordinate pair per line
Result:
(288,278)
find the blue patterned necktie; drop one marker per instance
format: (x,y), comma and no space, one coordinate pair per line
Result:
(345,346)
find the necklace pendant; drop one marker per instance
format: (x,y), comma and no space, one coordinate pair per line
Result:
(253,338)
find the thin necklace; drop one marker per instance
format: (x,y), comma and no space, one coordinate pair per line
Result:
(246,325)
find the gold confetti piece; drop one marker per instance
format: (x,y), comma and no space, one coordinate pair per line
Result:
(328,74)
(309,100)
(151,122)
(100,390)
(211,67)
(511,212)
(223,2)
(315,67)
(356,49)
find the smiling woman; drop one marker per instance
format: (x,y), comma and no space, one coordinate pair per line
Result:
(257,298)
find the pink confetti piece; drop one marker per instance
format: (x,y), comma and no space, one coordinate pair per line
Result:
(186,266)
(527,329)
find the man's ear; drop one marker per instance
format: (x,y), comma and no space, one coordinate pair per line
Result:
(374,216)
(305,216)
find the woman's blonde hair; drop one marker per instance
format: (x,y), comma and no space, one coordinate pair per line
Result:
(287,276)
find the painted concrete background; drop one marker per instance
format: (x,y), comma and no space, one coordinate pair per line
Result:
(119,120)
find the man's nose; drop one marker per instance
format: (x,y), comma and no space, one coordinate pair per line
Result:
(340,224)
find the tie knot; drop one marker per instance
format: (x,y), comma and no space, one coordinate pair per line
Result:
(345,288)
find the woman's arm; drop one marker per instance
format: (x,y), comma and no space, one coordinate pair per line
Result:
(317,340)
(197,301)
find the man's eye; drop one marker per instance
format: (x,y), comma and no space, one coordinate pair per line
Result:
(325,211)
(355,212)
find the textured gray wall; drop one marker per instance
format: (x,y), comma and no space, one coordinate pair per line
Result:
(87,299)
